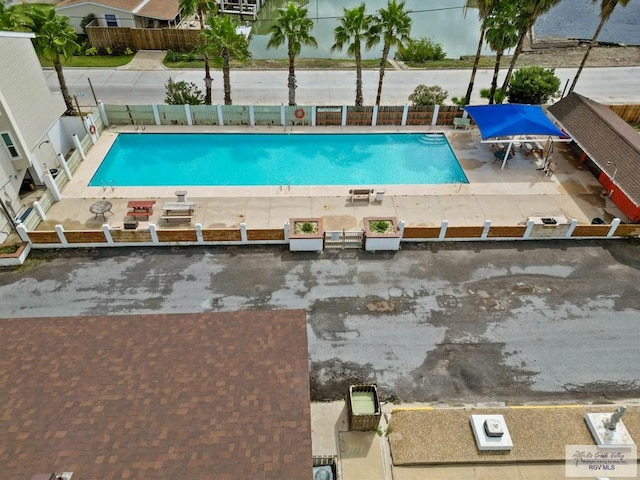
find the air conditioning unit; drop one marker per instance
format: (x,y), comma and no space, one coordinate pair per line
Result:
(322,472)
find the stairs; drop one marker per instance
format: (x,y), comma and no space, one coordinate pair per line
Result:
(432,139)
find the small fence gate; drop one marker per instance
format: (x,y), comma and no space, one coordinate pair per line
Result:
(343,240)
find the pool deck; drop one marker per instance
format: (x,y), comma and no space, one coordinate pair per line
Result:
(505,196)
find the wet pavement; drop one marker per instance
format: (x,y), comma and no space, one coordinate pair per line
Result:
(432,322)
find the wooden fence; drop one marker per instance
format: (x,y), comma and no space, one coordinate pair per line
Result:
(154,236)
(178,40)
(269,115)
(629,113)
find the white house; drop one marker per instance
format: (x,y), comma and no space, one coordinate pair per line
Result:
(121,13)
(31,131)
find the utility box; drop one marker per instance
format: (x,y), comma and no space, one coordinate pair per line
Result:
(364,408)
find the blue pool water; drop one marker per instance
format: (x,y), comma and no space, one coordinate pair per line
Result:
(270,159)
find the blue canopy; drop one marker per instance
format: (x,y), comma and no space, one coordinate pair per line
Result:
(506,120)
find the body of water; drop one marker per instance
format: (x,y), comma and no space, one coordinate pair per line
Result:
(579,19)
(443,21)
(270,159)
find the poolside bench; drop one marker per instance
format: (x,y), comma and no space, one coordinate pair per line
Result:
(361,194)
(461,122)
(177,218)
(136,214)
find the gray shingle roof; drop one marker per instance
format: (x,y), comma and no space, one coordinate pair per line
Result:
(608,140)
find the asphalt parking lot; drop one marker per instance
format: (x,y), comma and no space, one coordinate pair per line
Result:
(434,322)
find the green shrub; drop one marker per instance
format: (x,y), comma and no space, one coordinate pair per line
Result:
(307,227)
(379,226)
(128,51)
(182,93)
(420,51)
(91,51)
(533,85)
(428,95)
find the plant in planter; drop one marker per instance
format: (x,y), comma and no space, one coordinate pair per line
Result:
(13,255)
(381,233)
(306,235)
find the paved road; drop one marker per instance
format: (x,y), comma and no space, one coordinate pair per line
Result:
(503,321)
(327,87)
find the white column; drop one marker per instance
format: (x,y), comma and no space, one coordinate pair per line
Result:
(282,119)
(443,229)
(313,115)
(60,231)
(243,232)
(220,117)
(23,233)
(103,113)
(485,229)
(506,154)
(434,119)
(344,115)
(76,142)
(107,233)
(40,210)
(154,233)
(286,231)
(614,225)
(199,237)
(527,231)
(156,114)
(52,186)
(187,114)
(252,116)
(401,225)
(405,113)
(572,227)
(63,164)
(374,116)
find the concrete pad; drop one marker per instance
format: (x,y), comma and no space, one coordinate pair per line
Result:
(481,472)
(327,420)
(361,456)
(462,211)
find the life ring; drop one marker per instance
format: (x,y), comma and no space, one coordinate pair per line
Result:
(92,129)
(299,113)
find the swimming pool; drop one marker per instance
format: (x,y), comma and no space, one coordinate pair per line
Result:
(179,159)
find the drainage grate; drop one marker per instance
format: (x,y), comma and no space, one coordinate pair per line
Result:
(343,240)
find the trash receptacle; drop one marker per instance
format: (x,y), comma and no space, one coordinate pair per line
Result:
(182,195)
(379,195)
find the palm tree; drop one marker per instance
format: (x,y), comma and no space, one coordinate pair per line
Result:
(9,19)
(354,27)
(606,9)
(202,8)
(292,26)
(484,10)
(529,11)
(55,39)
(394,24)
(502,33)
(221,40)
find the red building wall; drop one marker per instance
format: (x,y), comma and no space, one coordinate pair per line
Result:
(628,207)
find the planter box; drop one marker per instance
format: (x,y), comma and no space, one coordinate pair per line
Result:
(306,242)
(364,408)
(16,258)
(381,241)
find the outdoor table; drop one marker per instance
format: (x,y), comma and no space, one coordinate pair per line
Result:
(100,208)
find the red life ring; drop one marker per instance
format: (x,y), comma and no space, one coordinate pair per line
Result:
(92,129)
(299,113)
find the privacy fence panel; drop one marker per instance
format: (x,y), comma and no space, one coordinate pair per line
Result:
(142,114)
(172,115)
(204,115)
(266,114)
(235,115)
(419,115)
(329,116)
(297,115)
(118,114)
(629,113)
(389,115)
(359,116)
(447,113)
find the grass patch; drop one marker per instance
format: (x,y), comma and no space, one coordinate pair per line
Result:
(9,249)
(89,61)
(283,64)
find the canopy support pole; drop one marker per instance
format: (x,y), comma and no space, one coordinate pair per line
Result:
(506,154)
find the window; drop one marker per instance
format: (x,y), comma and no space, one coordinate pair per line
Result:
(111,19)
(8,143)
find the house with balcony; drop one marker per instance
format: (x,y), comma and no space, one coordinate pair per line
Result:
(121,13)
(31,131)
